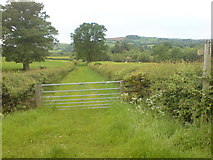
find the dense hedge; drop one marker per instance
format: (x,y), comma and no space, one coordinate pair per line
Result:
(162,87)
(18,87)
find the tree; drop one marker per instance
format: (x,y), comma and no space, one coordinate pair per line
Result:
(190,54)
(144,57)
(27,36)
(121,47)
(176,53)
(117,48)
(160,51)
(89,41)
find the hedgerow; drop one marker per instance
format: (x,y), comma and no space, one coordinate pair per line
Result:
(163,88)
(18,87)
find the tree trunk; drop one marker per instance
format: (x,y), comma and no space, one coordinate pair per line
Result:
(26,66)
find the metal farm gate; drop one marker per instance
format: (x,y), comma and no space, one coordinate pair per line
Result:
(83,94)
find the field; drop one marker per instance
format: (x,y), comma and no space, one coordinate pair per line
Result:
(121,131)
(117,70)
(12,66)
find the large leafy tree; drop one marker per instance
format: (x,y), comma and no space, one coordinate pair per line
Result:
(89,41)
(160,51)
(27,35)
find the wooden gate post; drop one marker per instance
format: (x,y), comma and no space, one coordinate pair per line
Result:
(122,86)
(207,67)
(38,95)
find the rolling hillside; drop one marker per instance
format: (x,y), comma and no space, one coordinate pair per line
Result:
(64,48)
(137,40)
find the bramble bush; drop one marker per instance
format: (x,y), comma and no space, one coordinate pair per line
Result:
(18,87)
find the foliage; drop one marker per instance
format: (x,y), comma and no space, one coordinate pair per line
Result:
(121,47)
(182,96)
(88,41)
(118,57)
(19,86)
(163,87)
(137,85)
(144,57)
(166,52)
(160,51)
(27,35)
(124,51)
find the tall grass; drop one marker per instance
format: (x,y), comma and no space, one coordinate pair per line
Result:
(143,136)
(118,132)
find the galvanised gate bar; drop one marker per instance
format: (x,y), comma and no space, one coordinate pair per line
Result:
(83,94)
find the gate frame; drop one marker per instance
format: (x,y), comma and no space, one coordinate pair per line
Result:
(39,91)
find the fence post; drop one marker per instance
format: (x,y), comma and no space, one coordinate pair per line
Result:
(122,86)
(206,67)
(38,95)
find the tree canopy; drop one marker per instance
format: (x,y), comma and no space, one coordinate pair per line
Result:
(89,41)
(27,35)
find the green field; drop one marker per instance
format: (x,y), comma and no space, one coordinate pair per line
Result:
(12,66)
(118,132)
(117,70)
(59,57)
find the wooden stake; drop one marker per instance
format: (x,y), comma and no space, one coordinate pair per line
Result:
(207,67)
(38,95)
(122,86)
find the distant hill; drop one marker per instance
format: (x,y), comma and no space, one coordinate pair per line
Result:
(116,39)
(150,41)
(145,42)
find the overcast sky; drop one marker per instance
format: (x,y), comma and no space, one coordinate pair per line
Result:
(151,18)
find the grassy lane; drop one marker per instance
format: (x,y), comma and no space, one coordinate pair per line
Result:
(47,132)
(102,133)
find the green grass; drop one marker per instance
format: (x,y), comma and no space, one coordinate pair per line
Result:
(118,70)
(120,131)
(12,66)
(59,57)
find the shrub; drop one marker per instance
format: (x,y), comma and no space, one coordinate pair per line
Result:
(181,96)
(18,87)
(137,86)
(163,87)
